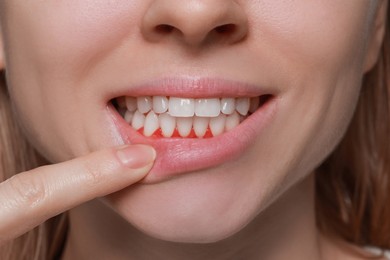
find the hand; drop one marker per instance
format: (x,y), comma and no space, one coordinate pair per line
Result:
(30,198)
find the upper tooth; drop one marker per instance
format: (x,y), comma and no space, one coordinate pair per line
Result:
(207,107)
(144,104)
(242,106)
(138,120)
(181,107)
(200,125)
(160,104)
(228,105)
(184,125)
(167,124)
(151,124)
(131,103)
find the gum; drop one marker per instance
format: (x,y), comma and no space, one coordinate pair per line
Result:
(158,134)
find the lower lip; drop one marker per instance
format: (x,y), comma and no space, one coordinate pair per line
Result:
(177,156)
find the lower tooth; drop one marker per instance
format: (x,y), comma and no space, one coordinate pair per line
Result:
(129,116)
(167,124)
(184,125)
(151,124)
(217,124)
(200,125)
(138,120)
(232,121)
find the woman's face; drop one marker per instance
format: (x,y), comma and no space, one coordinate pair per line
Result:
(67,61)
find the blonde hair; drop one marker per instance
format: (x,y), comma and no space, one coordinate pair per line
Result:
(353,184)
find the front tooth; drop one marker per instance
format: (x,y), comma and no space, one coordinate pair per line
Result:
(207,107)
(131,103)
(160,104)
(232,121)
(181,107)
(138,120)
(217,124)
(129,116)
(254,104)
(228,105)
(167,124)
(151,124)
(144,104)
(242,106)
(184,125)
(200,125)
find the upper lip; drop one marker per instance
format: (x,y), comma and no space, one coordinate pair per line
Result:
(190,87)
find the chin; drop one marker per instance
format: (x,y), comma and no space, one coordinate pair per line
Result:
(190,231)
(202,207)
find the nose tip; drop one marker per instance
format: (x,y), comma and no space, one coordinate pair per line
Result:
(195,22)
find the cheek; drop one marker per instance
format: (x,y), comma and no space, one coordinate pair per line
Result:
(50,55)
(315,52)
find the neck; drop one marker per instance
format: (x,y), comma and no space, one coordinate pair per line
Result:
(285,230)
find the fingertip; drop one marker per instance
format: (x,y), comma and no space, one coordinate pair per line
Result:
(136,156)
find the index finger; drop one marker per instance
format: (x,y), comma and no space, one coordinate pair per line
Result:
(29,198)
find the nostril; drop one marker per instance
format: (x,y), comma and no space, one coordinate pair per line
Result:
(164,28)
(226,29)
(193,23)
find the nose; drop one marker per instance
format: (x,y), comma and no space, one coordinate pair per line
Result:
(195,22)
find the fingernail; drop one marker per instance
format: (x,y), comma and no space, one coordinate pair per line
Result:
(136,156)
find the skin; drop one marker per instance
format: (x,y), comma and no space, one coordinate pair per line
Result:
(60,72)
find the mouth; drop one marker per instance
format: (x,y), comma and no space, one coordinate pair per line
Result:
(193,125)
(176,117)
